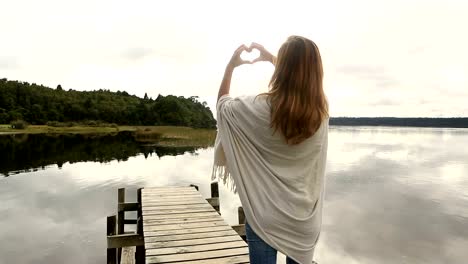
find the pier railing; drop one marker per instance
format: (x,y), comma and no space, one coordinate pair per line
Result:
(129,247)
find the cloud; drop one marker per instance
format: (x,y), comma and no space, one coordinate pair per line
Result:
(375,73)
(139,53)
(392,204)
(391,198)
(361,70)
(385,102)
(8,62)
(378,47)
(69,205)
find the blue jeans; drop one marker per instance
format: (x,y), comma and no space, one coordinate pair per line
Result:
(259,251)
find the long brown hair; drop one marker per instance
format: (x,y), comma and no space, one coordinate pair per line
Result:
(298,102)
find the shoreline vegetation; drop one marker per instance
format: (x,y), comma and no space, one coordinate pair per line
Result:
(40,105)
(165,121)
(181,132)
(164,136)
(436,122)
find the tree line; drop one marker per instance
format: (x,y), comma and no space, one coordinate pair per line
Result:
(455,122)
(37,104)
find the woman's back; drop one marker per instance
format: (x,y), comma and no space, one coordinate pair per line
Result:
(272,148)
(280,185)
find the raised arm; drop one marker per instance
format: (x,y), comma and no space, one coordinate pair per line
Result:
(237,61)
(233,63)
(265,55)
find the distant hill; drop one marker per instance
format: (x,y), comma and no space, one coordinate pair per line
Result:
(37,104)
(455,122)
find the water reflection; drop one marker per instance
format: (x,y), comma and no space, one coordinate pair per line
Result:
(394,195)
(59,214)
(23,152)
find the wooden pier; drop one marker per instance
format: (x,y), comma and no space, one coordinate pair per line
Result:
(175,225)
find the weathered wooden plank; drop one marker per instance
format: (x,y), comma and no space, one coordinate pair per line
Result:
(213,201)
(177,207)
(178,216)
(172,207)
(182,226)
(186,231)
(122,207)
(214,189)
(151,239)
(195,248)
(179,225)
(156,203)
(182,189)
(167,187)
(140,250)
(111,230)
(128,255)
(130,221)
(197,255)
(192,242)
(194,186)
(171,199)
(172,192)
(151,222)
(121,214)
(241,215)
(240,229)
(223,260)
(124,240)
(177,211)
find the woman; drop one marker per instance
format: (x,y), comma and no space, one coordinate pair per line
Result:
(272,147)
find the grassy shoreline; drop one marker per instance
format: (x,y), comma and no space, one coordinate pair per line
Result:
(171,136)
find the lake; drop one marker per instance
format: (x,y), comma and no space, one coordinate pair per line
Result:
(393,195)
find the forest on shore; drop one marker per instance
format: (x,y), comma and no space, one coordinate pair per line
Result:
(40,105)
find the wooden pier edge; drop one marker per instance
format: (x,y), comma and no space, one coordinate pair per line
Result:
(111,228)
(214,201)
(129,248)
(124,247)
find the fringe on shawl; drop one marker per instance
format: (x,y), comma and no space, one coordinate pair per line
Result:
(220,169)
(222,173)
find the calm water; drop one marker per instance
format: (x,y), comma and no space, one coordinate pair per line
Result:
(394,195)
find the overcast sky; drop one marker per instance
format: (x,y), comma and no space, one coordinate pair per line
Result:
(381,58)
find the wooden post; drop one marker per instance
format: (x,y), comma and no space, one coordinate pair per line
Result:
(214,189)
(111,252)
(140,250)
(121,213)
(215,194)
(120,218)
(241,215)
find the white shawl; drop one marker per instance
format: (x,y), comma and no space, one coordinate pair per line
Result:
(280,186)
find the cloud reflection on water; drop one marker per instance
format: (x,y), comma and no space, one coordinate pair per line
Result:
(393,196)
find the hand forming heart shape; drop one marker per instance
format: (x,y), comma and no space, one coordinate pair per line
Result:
(263,55)
(250,55)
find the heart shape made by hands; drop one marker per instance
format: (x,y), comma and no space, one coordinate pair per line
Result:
(250,55)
